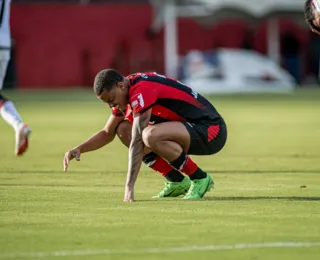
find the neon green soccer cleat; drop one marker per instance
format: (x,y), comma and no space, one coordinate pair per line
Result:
(174,189)
(199,187)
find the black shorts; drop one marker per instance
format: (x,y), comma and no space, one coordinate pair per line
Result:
(207,136)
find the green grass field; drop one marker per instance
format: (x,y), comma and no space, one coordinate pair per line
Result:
(273,149)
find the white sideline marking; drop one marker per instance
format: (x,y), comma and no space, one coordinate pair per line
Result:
(158,250)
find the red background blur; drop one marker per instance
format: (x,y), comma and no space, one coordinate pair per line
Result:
(61,45)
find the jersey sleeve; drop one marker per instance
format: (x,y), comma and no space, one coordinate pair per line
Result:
(116,112)
(142,98)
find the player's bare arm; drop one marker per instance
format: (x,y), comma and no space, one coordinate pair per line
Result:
(103,137)
(136,153)
(95,142)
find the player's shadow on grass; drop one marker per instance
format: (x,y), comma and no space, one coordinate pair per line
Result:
(242,198)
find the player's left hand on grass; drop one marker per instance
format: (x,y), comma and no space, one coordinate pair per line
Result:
(128,194)
(74,153)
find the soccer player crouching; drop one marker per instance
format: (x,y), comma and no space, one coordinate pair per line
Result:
(170,121)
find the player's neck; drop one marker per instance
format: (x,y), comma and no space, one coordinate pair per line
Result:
(127,83)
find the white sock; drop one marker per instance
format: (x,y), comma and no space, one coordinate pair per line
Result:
(10,114)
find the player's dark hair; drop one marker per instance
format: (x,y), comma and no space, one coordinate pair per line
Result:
(309,15)
(106,80)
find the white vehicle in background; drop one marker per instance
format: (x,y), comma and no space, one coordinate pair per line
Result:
(234,71)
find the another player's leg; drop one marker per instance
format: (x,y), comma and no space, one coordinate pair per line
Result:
(171,140)
(12,117)
(176,183)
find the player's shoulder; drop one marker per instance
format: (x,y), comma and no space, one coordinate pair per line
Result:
(136,76)
(141,77)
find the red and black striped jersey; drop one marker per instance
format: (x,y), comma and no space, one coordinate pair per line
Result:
(169,99)
(127,113)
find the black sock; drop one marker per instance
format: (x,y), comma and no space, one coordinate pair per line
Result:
(167,171)
(179,162)
(198,174)
(174,176)
(149,159)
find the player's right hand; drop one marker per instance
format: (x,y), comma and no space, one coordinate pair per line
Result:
(74,153)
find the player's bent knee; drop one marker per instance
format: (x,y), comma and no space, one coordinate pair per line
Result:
(151,136)
(124,132)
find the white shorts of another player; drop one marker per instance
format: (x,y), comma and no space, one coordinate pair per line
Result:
(4,60)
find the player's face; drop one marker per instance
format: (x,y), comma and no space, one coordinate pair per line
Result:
(115,97)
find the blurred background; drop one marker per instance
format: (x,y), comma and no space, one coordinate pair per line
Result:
(233,45)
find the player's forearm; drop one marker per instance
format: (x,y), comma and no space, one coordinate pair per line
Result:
(135,159)
(136,147)
(96,141)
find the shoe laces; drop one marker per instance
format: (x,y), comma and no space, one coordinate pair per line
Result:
(191,189)
(167,186)
(194,188)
